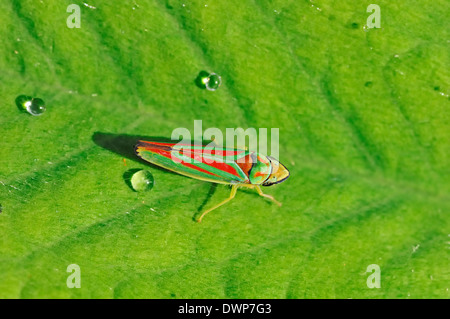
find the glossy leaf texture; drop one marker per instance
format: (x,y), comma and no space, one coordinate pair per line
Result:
(364,121)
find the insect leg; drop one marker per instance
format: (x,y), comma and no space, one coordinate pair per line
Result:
(233,193)
(260,192)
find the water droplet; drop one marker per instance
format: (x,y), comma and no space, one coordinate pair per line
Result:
(209,81)
(89,6)
(35,107)
(212,82)
(22,101)
(142,180)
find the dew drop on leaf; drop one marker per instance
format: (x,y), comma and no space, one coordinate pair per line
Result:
(213,81)
(22,101)
(142,181)
(35,107)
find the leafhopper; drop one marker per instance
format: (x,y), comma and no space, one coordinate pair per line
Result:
(235,167)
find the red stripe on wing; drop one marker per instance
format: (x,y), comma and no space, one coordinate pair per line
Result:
(164,149)
(222,166)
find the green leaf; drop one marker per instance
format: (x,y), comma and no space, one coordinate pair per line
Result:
(364,130)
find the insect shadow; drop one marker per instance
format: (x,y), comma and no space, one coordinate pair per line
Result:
(211,192)
(124,145)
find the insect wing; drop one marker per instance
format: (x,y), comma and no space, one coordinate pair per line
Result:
(216,165)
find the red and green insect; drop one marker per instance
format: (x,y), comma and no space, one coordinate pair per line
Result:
(236,167)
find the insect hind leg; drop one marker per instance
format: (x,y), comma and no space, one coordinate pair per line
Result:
(260,192)
(232,194)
